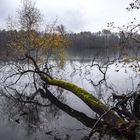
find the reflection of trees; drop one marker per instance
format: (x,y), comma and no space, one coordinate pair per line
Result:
(30,113)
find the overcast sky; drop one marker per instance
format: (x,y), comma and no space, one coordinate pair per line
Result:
(76,15)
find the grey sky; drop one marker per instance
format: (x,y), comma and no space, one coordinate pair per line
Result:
(76,15)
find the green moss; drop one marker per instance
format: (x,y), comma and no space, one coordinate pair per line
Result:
(95,104)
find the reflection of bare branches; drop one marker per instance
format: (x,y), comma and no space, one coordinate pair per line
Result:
(103,73)
(72,112)
(123,106)
(96,123)
(22,108)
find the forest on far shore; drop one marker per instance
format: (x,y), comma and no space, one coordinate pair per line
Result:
(83,41)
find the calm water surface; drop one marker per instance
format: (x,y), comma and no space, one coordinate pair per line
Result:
(121,78)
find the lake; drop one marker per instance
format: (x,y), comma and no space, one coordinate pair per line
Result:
(121,78)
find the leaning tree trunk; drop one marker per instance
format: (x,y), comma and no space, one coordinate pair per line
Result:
(96,105)
(108,115)
(110,118)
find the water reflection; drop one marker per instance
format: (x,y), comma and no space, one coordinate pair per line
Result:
(28,121)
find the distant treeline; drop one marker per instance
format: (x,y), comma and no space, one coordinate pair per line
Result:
(5,50)
(103,43)
(82,41)
(88,40)
(101,39)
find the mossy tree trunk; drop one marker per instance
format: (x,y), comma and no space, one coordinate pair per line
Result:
(89,99)
(113,123)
